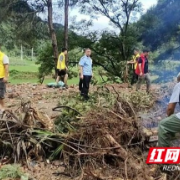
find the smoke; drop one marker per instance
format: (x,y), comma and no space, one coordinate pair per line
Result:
(166,71)
(152,118)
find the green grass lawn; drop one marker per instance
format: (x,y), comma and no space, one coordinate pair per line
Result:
(24,68)
(23,65)
(31,67)
(35,80)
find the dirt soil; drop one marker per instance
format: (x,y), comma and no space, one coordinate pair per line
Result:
(44,98)
(41,97)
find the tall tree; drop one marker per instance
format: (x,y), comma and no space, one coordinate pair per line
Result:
(40,6)
(66,22)
(19,24)
(52,31)
(112,48)
(6,8)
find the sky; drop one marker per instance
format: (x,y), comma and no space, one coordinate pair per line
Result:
(102,22)
(99,24)
(148,3)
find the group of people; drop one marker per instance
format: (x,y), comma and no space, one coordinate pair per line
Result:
(85,71)
(168,127)
(140,69)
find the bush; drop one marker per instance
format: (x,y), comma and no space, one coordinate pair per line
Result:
(46,61)
(72,74)
(47,64)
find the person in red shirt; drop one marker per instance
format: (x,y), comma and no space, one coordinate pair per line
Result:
(142,71)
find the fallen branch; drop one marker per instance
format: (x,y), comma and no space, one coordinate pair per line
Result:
(116,114)
(59,107)
(121,152)
(125,168)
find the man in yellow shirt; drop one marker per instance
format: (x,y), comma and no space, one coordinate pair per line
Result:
(61,67)
(134,62)
(4,72)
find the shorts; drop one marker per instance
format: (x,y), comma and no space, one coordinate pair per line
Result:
(61,72)
(2,88)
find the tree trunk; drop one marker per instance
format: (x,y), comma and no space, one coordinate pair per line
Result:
(66,9)
(52,31)
(66,22)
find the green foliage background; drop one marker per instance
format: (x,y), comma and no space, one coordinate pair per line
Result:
(158,30)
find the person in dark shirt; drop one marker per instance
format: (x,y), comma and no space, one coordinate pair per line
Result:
(142,71)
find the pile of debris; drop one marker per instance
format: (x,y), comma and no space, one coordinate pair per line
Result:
(18,137)
(107,143)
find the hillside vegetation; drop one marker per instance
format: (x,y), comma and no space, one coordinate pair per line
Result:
(158,30)
(53,133)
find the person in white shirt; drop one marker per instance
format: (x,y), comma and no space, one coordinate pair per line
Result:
(169,126)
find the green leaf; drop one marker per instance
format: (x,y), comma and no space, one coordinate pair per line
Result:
(46,133)
(56,152)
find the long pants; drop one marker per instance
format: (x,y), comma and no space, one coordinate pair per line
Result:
(80,84)
(145,78)
(134,78)
(85,88)
(167,129)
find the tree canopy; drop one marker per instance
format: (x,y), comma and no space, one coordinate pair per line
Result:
(158,29)
(20,24)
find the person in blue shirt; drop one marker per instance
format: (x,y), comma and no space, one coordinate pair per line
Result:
(81,80)
(86,73)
